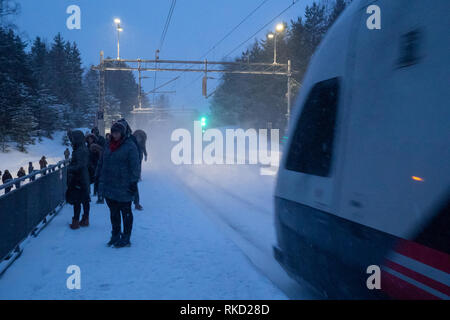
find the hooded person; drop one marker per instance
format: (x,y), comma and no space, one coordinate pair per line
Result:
(43,164)
(78,189)
(95,154)
(21,173)
(5,179)
(100,140)
(129,134)
(141,138)
(30,170)
(118,172)
(91,140)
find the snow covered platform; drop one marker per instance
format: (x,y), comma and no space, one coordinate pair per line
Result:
(177,252)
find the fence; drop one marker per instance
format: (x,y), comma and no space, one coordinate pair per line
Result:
(23,208)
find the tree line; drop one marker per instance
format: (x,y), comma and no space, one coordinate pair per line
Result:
(256,100)
(44,87)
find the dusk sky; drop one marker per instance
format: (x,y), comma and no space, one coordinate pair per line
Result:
(195,27)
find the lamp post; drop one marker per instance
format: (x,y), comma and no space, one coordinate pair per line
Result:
(119,30)
(278,29)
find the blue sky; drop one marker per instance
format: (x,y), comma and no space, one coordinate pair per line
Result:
(195,27)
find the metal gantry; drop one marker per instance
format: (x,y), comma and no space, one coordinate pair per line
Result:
(141,65)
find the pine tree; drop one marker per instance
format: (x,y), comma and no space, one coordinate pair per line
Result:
(16,88)
(338,8)
(256,99)
(90,97)
(58,78)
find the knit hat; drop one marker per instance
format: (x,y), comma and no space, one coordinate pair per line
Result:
(119,127)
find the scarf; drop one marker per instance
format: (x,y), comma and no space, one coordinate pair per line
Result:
(114,145)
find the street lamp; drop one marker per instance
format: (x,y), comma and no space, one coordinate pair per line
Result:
(119,30)
(278,29)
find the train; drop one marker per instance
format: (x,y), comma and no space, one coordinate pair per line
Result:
(364,180)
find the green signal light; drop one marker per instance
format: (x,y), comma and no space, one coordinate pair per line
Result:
(203,121)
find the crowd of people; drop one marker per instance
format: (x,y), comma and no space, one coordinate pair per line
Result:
(112,164)
(113,167)
(6,176)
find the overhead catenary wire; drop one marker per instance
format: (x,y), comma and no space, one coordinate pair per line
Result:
(260,29)
(253,35)
(163,38)
(167,23)
(234,29)
(227,35)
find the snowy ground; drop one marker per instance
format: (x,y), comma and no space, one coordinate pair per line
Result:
(52,149)
(206,233)
(177,253)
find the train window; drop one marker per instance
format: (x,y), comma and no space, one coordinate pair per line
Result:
(312,145)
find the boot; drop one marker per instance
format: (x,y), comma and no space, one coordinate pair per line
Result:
(75,224)
(84,221)
(114,240)
(123,242)
(138,207)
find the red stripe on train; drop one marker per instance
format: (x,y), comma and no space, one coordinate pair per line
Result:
(418,277)
(436,259)
(399,289)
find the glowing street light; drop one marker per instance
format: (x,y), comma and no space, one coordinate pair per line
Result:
(119,30)
(278,29)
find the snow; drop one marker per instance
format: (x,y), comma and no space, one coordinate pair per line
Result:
(176,253)
(206,232)
(53,149)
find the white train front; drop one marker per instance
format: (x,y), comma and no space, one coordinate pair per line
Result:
(365,175)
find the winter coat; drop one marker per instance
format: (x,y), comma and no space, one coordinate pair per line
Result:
(101,141)
(141,138)
(21,173)
(78,187)
(95,152)
(30,169)
(43,163)
(118,171)
(6,177)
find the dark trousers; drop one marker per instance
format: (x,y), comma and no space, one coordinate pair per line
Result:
(77,210)
(99,196)
(136,196)
(118,209)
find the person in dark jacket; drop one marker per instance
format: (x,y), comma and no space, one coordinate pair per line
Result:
(98,152)
(21,173)
(66,154)
(30,170)
(78,191)
(93,157)
(118,172)
(141,138)
(95,153)
(43,164)
(100,140)
(133,138)
(6,178)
